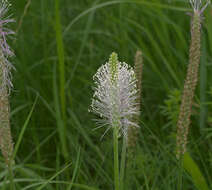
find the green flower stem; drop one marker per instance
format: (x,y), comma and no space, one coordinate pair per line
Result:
(11,178)
(123,163)
(62,125)
(180,176)
(116,157)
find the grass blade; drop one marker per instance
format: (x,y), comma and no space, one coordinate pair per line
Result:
(61,66)
(23,129)
(193,169)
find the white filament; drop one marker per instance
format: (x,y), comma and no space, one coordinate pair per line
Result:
(199,5)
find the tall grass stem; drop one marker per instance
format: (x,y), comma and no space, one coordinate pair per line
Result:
(123,163)
(116,157)
(61,67)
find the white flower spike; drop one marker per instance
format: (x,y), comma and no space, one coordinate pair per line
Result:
(115,95)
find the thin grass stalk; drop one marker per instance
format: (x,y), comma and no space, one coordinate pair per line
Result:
(61,57)
(116,157)
(61,67)
(123,164)
(11,177)
(180,175)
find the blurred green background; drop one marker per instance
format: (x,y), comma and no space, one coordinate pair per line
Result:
(58,48)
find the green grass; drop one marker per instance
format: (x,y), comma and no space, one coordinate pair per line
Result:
(60,106)
(58,49)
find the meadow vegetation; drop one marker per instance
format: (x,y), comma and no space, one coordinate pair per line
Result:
(58,47)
